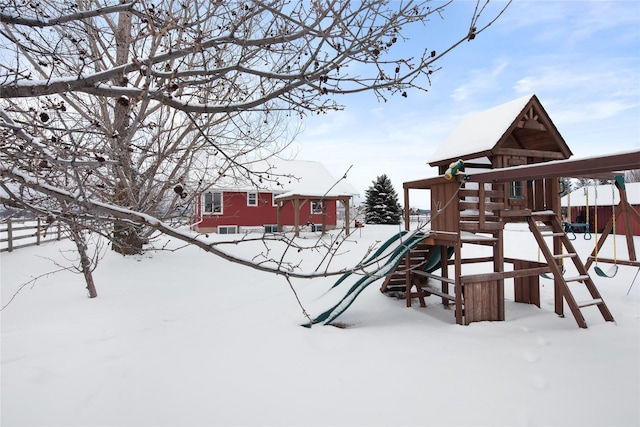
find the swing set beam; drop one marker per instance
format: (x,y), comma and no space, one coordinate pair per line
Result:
(614,261)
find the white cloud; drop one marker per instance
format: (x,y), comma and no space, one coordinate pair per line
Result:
(580,58)
(481,81)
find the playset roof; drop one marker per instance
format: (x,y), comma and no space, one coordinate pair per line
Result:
(519,124)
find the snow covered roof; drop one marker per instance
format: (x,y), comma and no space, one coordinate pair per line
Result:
(480,133)
(292,177)
(602,195)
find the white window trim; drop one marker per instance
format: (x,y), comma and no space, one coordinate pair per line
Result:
(315,203)
(255,193)
(204,205)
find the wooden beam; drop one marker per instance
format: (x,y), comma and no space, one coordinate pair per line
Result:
(424,183)
(554,155)
(615,261)
(559,168)
(485,277)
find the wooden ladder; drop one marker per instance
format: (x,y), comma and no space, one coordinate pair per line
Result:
(553,227)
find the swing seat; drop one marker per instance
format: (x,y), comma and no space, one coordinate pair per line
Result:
(611,272)
(550,276)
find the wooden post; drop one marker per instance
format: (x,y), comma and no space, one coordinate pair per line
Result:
(38,232)
(444,272)
(347,215)
(323,207)
(553,203)
(407,278)
(296,216)
(481,205)
(278,215)
(628,211)
(498,266)
(407,217)
(458,283)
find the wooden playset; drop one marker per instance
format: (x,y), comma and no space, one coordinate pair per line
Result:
(504,166)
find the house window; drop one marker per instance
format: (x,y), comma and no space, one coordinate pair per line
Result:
(316,207)
(252,198)
(212,202)
(316,228)
(274,202)
(227,229)
(271,228)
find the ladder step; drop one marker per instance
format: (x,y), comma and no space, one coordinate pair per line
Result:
(588,303)
(557,234)
(567,255)
(577,278)
(542,214)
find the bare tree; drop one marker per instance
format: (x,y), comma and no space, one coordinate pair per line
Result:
(124,112)
(632,175)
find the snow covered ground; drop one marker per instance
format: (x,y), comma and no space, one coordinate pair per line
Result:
(182,338)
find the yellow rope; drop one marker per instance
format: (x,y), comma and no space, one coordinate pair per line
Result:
(613,218)
(596,220)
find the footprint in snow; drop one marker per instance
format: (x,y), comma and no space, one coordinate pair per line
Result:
(538,381)
(542,341)
(530,356)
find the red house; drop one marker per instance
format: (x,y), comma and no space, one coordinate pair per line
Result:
(594,204)
(295,194)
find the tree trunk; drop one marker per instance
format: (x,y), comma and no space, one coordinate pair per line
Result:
(126,237)
(85,261)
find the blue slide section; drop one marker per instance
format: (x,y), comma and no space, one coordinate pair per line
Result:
(391,262)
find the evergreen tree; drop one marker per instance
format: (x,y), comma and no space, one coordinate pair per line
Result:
(382,205)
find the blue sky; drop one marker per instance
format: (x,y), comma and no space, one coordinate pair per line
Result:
(581,58)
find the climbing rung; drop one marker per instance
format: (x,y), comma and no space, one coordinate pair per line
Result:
(588,303)
(577,278)
(558,234)
(567,255)
(542,214)
(433,276)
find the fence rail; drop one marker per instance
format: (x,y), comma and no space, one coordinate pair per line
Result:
(22,233)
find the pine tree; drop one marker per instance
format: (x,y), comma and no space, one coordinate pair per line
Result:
(382,205)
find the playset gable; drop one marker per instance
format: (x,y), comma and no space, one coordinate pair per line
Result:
(515,133)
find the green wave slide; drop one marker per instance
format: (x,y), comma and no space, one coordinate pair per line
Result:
(392,261)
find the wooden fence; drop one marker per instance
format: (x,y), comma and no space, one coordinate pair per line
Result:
(21,233)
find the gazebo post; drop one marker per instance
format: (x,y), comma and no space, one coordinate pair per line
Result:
(296,216)
(278,215)
(347,219)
